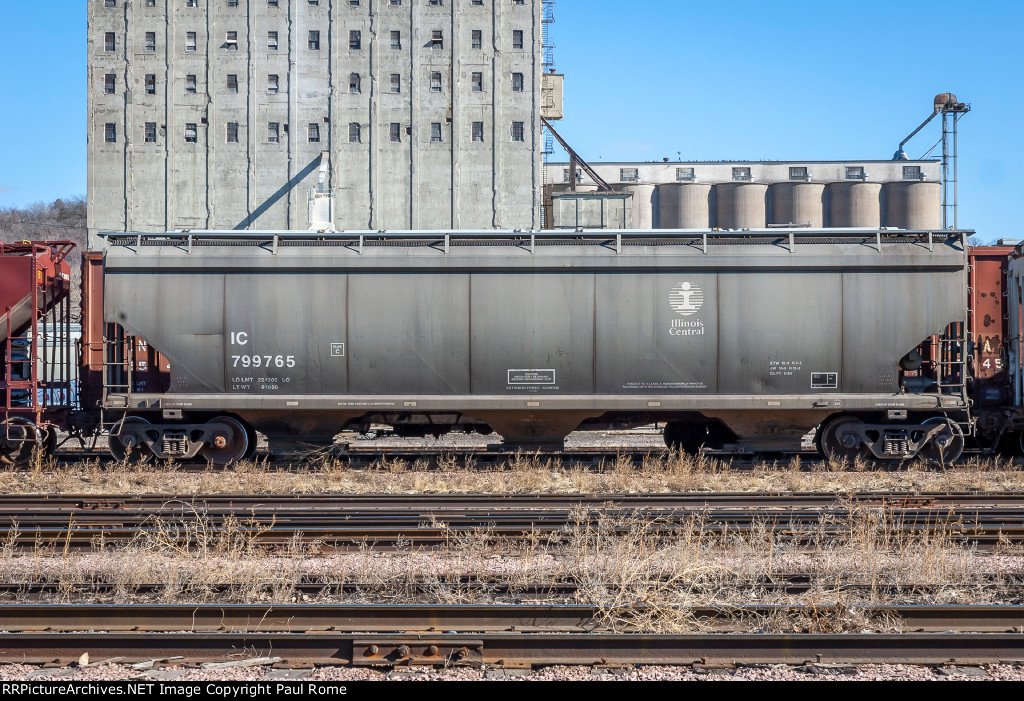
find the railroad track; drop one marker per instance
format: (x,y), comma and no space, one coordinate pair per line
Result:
(496,635)
(11,504)
(78,521)
(479,586)
(431,458)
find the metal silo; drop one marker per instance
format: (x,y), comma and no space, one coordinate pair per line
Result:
(800,204)
(856,204)
(896,205)
(643,204)
(742,206)
(913,205)
(684,206)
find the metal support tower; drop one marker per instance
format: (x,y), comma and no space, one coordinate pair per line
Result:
(951,110)
(951,113)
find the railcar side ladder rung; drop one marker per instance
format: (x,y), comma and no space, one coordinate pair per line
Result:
(951,375)
(119,364)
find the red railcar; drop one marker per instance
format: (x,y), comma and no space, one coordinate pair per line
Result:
(36,350)
(989,319)
(995,325)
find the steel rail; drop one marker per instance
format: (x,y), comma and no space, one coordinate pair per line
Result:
(432,459)
(471,618)
(986,528)
(446,459)
(12,503)
(344,524)
(505,516)
(347,523)
(517,649)
(403,635)
(367,451)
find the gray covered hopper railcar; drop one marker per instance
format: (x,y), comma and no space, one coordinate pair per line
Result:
(742,339)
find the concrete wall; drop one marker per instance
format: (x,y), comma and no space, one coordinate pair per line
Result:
(752,195)
(760,171)
(259,183)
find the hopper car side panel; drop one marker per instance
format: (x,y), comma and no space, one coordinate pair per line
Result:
(531,333)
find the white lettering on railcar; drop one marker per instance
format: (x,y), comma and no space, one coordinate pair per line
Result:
(696,385)
(263,361)
(531,377)
(686,299)
(362,404)
(256,361)
(784,368)
(686,328)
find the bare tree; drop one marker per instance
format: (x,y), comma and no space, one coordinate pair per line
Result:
(61,220)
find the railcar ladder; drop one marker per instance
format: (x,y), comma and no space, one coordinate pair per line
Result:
(951,369)
(118,362)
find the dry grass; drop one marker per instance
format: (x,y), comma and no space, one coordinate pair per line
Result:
(640,574)
(645,577)
(523,473)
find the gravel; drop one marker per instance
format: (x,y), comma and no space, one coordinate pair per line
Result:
(1002,672)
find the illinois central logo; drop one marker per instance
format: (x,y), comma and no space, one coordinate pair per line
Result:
(686,299)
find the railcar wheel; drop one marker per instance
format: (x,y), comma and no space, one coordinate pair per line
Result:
(841,445)
(48,440)
(946,446)
(18,436)
(231,442)
(133,454)
(254,439)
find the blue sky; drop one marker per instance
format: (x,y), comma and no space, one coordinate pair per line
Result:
(647,79)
